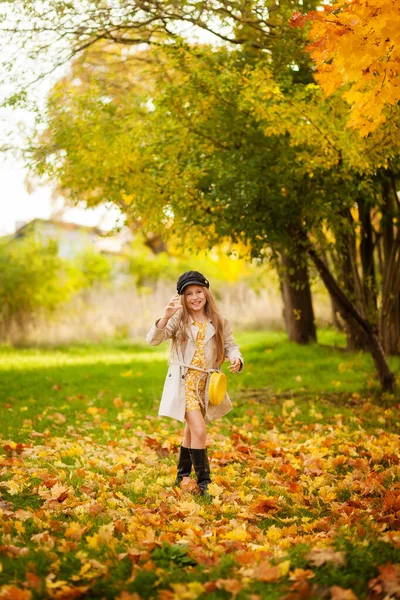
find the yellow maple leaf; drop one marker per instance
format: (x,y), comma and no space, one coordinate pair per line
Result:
(12,487)
(187,591)
(19,527)
(214,489)
(284,567)
(239,535)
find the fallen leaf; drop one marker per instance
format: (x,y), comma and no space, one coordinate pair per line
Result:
(267,572)
(301,574)
(58,418)
(264,505)
(233,586)
(189,485)
(118,402)
(389,575)
(339,593)
(33,581)
(214,489)
(320,556)
(14,550)
(57,492)
(75,531)
(128,596)
(238,534)
(11,592)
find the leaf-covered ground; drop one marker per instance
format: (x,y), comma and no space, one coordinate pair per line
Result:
(305,493)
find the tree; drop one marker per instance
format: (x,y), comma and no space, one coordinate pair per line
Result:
(217,150)
(369,32)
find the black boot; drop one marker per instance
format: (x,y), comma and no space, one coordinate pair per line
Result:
(202,468)
(184,464)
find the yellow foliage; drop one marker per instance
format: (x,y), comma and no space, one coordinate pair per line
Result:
(239,535)
(357,44)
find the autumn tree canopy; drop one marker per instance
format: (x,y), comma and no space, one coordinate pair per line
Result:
(356,46)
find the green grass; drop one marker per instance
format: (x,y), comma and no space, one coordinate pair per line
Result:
(76,377)
(73,378)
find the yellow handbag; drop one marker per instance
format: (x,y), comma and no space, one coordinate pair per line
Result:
(217,388)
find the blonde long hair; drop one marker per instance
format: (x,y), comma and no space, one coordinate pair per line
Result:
(180,338)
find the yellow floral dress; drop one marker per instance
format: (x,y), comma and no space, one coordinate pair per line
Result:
(195,381)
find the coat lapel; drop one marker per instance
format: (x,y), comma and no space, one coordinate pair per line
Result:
(210,331)
(194,330)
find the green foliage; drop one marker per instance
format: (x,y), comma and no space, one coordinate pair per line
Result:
(94,267)
(168,554)
(198,142)
(148,268)
(145,584)
(33,279)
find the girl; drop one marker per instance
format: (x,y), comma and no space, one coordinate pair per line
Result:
(200,339)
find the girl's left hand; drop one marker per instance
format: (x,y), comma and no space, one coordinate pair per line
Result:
(235,365)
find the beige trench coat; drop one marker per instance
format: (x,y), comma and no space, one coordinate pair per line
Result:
(173,400)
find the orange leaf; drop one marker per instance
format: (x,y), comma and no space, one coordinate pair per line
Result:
(390,578)
(14,550)
(339,593)
(229,585)
(189,485)
(10,592)
(267,572)
(33,581)
(75,531)
(264,505)
(128,596)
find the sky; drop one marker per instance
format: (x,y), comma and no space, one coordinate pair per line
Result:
(17,206)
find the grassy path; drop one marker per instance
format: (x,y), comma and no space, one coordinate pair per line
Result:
(306,479)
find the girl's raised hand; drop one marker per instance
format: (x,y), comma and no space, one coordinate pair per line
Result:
(235,365)
(172,307)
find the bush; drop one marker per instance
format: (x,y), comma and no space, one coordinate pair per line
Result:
(93,268)
(33,280)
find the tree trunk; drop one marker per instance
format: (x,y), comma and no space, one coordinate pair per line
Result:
(296,293)
(391,330)
(346,260)
(390,319)
(348,311)
(367,257)
(155,243)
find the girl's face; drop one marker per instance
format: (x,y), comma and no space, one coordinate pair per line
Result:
(195,299)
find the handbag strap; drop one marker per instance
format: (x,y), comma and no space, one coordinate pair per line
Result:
(207,372)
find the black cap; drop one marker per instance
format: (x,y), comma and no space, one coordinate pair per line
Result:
(191,278)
